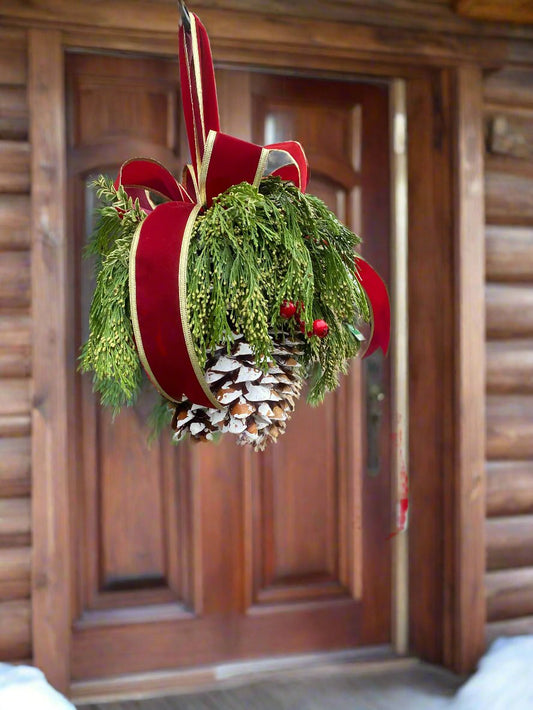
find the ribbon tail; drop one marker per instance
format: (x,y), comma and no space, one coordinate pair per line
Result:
(378,298)
(198,88)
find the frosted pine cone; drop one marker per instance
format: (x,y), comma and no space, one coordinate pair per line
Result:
(256,405)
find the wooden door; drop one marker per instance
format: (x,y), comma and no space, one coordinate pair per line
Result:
(201,554)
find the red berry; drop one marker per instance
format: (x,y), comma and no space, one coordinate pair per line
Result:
(301,326)
(320,328)
(287,309)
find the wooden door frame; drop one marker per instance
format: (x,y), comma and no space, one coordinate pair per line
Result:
(446,311)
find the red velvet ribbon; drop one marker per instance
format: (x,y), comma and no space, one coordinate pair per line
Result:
(159,252)
(378,298)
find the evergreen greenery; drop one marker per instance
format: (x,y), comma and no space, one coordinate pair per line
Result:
(255,248)
(160,418)
(110,351)
(249,252)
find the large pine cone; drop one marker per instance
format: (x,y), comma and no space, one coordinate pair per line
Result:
(256,405)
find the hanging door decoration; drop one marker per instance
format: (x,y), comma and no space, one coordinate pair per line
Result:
(231,289)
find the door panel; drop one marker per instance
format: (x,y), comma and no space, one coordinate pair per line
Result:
(310,486)
(200,554)
(120,108)
(305,533)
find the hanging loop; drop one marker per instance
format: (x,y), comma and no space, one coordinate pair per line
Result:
(184,15)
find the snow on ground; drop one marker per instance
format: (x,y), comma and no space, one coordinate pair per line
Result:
(25,688)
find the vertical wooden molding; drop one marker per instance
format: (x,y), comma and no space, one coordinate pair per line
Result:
(468,605)
(399,358)
(431,341)
(51,551)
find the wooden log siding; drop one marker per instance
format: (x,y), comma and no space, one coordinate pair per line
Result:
(14,222)
(509,253)
(509,302)
(15,354)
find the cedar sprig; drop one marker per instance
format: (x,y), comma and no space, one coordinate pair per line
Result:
(244,260)
(110,351)
(255,248)
(160,418)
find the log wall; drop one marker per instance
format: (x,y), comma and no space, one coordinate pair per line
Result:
(509,300)
(15,356)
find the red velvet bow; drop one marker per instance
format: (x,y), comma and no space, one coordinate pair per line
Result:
(158,261)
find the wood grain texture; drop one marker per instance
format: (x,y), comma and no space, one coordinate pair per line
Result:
(509,627)
(397,14)
(509,133)
(15,425)
(14,222)
(15,622)
(229,85)
(510,366)
(509,311)
(15,397)
(509,427)
(494,10)
(159,684)
(15,522)
(300,630)
(510,86)
(509,593)
(285,564)
(15,330)
(509,488)
(326,681)
(431,355)
(509,194)
(50,457)
(13,112)
(429,15)
(13,57)
(14,166)
(509,542)
(15,564)
(508,165)
(15,345)
(248,30)
(509,253)
(469,494)
(15,362)
(15,286)
(15,467)
(120,107)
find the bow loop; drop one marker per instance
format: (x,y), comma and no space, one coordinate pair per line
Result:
(378,299)
(138,176)
(229,161)
(287,160)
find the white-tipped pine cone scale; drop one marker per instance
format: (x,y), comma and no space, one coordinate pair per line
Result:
(256,405)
